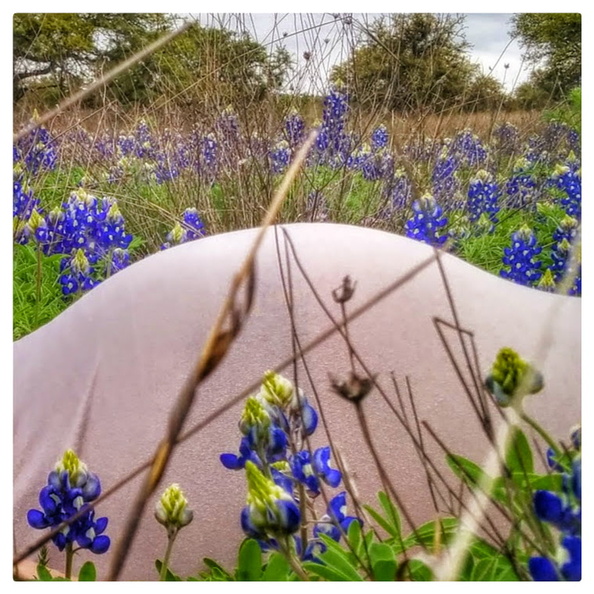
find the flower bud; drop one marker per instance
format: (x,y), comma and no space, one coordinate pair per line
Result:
(172,509)
(511,377)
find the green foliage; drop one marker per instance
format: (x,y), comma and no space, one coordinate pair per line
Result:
(72,48)
(250,567)
(556,39)
(87,573)
(569,112)
(416,61)
(207,67)
(37,295)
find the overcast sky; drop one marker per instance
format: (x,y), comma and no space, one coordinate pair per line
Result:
(327,41)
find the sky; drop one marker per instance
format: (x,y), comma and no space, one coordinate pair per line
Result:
(327,41)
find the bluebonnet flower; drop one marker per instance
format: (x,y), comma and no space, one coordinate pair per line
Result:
(270,510)
(427,221)
(520,258)
(70,487)
(308,469)
(483,194)
(280,156)
(120,258)
(379,138)
(564,236)
(506,139)
(38,151)
(400,191)
(564,512)
(76,274)
(333,142)
(521,186)
(570,183)
(294,129)
(445,182)
(275,422)
(209,157)
(189,229)
(112,229)
(468,148)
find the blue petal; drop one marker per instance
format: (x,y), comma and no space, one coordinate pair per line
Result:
(248,526)
(37,519)
(314,549)
(92,488)
(309,418)
(336,507)
(572,570)
(101,525)
(232,462)
(542,569)
(328,529)
(100,544)
(290,516)
(548,507)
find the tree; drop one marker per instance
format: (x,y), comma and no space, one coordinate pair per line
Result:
(67,49)
(412,61)
(553,41)
(206,64)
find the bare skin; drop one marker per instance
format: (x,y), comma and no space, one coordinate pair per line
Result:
(102,378)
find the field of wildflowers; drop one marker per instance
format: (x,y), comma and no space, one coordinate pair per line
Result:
(88,203)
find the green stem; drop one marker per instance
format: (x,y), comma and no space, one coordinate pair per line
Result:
(170,539)
(69,559)
(295,565)
(550,441)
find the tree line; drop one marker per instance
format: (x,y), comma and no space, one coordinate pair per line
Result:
(401,62)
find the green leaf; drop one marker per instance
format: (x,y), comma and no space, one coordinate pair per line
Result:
(214,566)
(337,558)
(390,522)
(425,534)
(169,576)
(277,569)
(87,572)
(383,562)
(354,536)
(249,561)
(326,572)
(465,469)
(391,512)
(416,571)
(519,454)
(43,574)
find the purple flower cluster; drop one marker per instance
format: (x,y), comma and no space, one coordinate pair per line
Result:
(69,490)
(190,228)
(275,425)
(523,268)
(427,222)
(563,511)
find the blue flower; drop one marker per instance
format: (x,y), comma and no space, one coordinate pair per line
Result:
(379,138)
(309,469)
(483,194)
(427,221)
(520,258)
(69,489)
(270,510)
(335,522)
